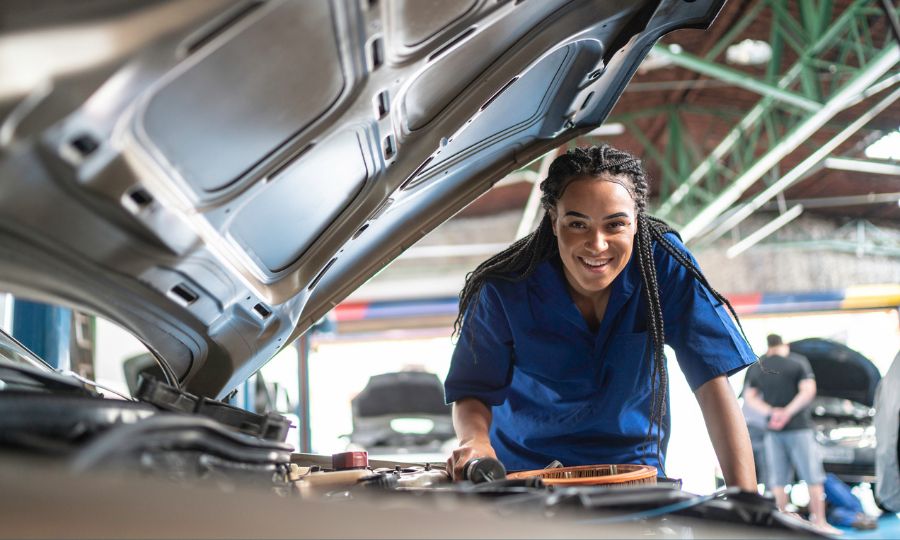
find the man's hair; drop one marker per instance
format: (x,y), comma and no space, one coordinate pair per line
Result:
(520,259)
(774,340)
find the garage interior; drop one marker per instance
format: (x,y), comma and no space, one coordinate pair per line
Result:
(772,142)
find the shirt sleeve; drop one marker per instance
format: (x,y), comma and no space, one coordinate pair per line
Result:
(706,340)
(806,371)
(481,366)
(752,379)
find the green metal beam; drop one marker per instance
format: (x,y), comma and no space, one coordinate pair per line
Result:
(746,20)
(878,67)
(802,169)
(770,131)
(674,54)
(670,177)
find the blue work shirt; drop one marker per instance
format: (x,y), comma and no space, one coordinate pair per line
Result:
(561,391)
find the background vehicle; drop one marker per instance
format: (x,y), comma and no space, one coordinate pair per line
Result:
(842,410)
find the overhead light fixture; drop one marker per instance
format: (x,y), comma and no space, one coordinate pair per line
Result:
(750,52)
(887,147)
(608,130)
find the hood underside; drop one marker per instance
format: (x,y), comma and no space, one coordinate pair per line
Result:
(840,371)
(216,175)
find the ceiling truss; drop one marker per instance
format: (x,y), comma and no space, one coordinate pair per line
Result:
(794,105)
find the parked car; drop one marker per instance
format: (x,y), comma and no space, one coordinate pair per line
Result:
(403,414)
(214,176)
(843,408)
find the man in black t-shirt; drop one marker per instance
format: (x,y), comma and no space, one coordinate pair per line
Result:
(782,389)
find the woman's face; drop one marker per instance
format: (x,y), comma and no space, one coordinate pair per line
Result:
(594,222)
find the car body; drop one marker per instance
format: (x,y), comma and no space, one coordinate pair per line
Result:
(403,414)
(843,408)
(216,175)
(224,172)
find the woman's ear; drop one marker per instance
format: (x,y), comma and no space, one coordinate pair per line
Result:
(552,215)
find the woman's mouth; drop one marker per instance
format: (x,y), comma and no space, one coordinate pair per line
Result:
(595,265)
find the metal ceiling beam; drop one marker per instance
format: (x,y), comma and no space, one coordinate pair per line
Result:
(533,205)
(522,175)
(858,237)
(445,251)
(764,231)
(677,56)
(837,202)
(829,50)
(878,67)
(845,246)
(798,172)
(872,166)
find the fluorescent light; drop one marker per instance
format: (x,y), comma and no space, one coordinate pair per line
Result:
(750,52)
(608,130)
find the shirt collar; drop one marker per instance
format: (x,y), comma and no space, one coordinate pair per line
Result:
(549,283)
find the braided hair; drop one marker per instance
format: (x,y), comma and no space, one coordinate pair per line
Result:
(521,258)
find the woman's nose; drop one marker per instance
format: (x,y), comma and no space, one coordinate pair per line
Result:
(597,242)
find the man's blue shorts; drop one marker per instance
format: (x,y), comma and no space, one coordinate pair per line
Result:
(793,450)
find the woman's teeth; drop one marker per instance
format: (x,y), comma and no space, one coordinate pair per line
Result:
(594,263)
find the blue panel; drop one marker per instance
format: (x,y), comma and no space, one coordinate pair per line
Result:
(46,330)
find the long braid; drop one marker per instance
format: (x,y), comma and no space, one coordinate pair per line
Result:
(521,258)
(513,263)
(659,228)
(656,329)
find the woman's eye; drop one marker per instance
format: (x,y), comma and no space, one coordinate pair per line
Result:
(576,225)
(615,225)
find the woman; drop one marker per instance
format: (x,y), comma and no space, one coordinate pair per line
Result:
(560,351)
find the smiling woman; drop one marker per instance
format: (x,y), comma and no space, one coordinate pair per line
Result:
(594,249)
(560,353)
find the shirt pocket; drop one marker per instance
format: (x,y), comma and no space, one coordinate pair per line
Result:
(625,368)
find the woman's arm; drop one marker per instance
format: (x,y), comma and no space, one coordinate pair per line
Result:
(472,422)
(728,432)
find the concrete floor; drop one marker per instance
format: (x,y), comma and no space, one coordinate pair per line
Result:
(888,527)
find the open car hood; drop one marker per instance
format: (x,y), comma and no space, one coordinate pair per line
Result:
(840,371)
(216,175)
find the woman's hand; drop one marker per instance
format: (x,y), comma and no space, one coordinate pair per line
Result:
(467,451)
(472,422)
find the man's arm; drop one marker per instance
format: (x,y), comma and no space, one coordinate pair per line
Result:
(728,432)
(472,423)
(806,392)
(755,400)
